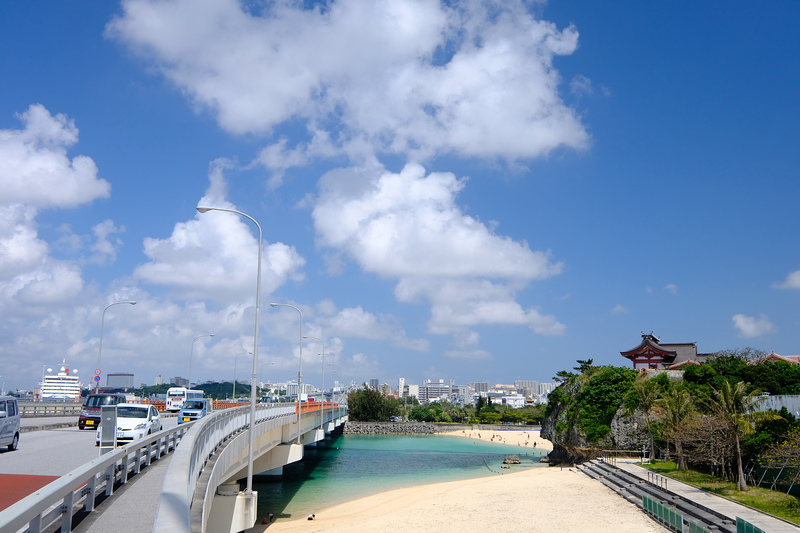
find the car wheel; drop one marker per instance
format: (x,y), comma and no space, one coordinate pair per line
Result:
(14,443)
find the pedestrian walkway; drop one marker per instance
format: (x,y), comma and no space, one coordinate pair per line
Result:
(718,504)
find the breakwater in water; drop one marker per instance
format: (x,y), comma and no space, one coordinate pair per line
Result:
(390,428)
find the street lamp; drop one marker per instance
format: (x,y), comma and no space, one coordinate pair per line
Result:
(300,368)
(249,489)
(322,412)
(191,354)
(233,394)
(100,350)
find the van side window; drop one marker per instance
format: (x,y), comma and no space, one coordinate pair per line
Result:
(12,408)
(2,407)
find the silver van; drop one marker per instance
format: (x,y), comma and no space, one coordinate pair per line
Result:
(195,409)
(9,422)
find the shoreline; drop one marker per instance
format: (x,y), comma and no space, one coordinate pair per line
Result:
(534,500)
(527,500)
(529,439)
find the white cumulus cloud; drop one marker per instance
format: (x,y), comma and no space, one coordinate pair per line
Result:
(752,327)
(214,255)
(792,281)
(407,226)
(36,173)
(415,77)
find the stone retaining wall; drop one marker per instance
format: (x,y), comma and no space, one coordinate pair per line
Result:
(388,428)
(420,428)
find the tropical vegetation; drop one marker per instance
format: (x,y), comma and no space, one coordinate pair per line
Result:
(709,420)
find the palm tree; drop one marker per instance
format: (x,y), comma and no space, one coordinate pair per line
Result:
(647,391)
(678,407)
(736,408)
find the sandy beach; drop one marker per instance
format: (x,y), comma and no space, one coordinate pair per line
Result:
(529,439)
(531,500)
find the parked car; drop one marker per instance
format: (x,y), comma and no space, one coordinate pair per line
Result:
(90,413)
(195,409)
(135,421)
(9,422)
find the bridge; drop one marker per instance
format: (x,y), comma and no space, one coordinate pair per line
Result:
(200,491)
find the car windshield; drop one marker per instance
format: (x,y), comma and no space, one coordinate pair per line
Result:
(132,412)
(193,404)
(99,401)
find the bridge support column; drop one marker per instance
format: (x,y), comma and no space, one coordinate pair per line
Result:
(312,437)
(233,510)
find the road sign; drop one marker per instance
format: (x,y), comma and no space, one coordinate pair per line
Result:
(96,371)
(97,379)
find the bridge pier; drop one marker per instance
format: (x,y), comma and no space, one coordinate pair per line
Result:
(233,510)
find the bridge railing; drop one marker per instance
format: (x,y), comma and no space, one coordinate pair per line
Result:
(77,490)
(180,482)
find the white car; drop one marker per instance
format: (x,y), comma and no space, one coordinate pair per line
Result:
(135,421)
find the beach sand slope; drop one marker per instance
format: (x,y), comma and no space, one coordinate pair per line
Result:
(533,500)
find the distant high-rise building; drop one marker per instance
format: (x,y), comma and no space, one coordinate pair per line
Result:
(373,384)
(119,381)
(433,390)
(159,380)
(413,391)
(546,388)
(180,382)
(401,388)
(480,387)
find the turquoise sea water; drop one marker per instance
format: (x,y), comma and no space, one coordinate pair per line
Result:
(349,467)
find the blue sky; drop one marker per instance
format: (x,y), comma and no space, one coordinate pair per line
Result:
(477,191)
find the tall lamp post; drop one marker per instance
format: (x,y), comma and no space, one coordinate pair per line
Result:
(233,394)
(249,489)
(300,368)
(322,412)
(100,349)
(191,354)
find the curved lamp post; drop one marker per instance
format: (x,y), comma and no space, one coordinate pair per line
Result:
(233,395)
(249,489)
(102,323)
(300,368)
(322,412)
(191,354)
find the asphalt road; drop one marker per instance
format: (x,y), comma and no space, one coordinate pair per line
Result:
(54,452)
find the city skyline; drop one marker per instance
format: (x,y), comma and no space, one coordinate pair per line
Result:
(494,188)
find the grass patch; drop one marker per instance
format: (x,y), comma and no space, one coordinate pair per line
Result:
(772,502)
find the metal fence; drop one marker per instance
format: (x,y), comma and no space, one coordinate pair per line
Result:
(77,491)
(743,526)
(671,519)
(34,409)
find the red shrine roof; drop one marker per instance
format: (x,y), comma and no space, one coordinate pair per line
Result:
(651,345)
(792,359)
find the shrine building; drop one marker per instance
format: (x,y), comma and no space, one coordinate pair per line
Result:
(651,353)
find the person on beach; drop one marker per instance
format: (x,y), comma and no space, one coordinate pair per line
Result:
(312,517)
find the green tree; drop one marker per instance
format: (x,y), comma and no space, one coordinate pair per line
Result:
(736,408)
(678,408)
(647,392)
(370,406)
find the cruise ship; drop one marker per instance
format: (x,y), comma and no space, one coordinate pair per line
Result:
(61,386)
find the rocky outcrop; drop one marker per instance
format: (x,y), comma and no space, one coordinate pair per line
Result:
(389,428)
(570,445)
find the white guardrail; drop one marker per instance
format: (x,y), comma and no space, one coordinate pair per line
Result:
(77,490)
(197,447)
